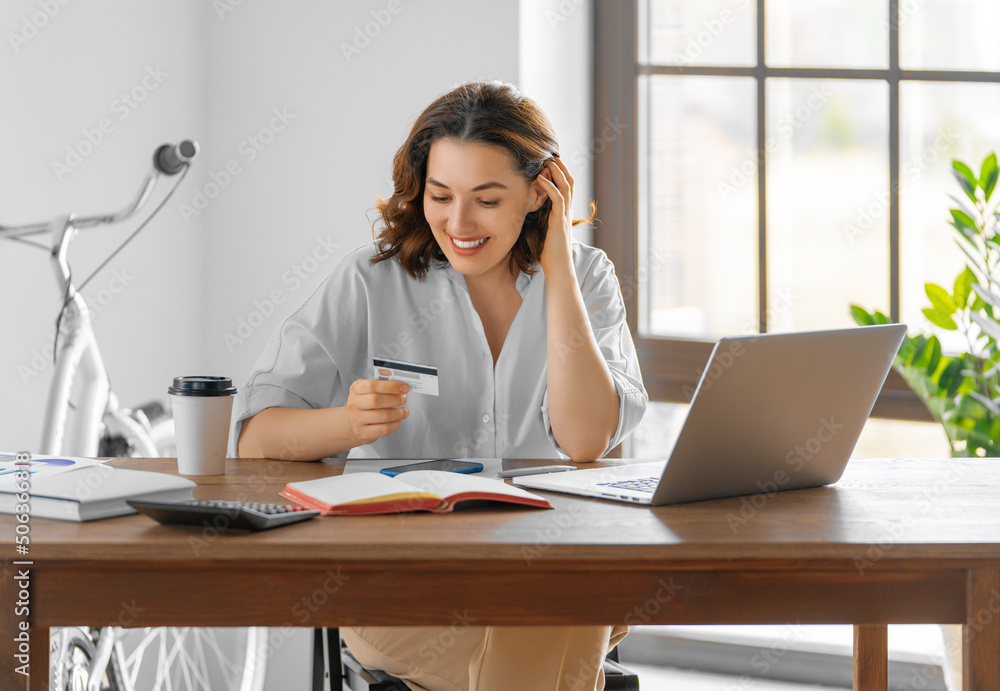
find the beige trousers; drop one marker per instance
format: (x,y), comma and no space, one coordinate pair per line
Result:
(488,658)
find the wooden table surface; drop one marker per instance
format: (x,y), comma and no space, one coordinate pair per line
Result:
(895,541)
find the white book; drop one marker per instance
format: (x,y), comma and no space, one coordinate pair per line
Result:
(90,493)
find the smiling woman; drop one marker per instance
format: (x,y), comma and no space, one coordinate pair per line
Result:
(429,162)
(475,277)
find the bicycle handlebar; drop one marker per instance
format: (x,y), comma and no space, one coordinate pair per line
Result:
(171,159)
(168,159)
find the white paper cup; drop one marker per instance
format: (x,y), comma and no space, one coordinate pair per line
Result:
(202,407)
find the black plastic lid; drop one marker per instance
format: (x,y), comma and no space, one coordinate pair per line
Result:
(202,386)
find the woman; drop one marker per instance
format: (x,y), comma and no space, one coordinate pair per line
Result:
(475,273)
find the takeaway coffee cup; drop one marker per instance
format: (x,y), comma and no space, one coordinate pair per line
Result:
(202,407)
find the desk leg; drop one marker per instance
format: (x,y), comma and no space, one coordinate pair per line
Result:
(871,658)
(981,633)
(40,647)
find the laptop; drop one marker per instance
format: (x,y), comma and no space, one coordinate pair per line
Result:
(771,412)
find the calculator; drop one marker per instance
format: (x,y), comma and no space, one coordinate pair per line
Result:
(223,515)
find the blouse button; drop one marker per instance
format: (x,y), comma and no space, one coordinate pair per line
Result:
(486,418)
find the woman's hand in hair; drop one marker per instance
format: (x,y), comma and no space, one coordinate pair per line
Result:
(557,182)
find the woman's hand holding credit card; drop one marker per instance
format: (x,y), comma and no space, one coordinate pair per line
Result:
(421,378)
(376,408)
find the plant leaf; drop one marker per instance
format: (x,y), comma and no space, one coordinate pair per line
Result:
(960,203)
(861,316)
(966,178)
(940,318)
(964,220)
(933,356)
(951,377)
(989,326)
(963,287)
(990,405)
(987,295)
(940,298)
(988,176)
(976,264)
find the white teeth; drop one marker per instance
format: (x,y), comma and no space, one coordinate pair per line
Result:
(468,245)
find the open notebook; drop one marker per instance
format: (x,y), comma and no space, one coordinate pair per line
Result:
(423,490)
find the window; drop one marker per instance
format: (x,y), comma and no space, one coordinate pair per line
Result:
(774,166)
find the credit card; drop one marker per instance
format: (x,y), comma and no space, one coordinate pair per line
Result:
(421,378)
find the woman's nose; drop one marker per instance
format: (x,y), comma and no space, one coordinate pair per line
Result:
(460,219)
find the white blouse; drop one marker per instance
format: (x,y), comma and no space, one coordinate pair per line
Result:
(363,311)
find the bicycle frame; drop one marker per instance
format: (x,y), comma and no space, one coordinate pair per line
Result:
(79,355)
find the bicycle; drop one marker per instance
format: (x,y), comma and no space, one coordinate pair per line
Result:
(112,657)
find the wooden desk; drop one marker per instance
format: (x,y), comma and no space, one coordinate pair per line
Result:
(894,542)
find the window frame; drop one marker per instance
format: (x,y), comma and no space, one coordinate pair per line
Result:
(671,366)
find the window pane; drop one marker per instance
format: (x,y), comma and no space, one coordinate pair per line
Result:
(939,122)
(902,439)
(827,33)
(656,434)
(708,32)
(700,251)
(949,34)
(827,200)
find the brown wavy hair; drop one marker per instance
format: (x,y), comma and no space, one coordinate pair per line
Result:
(487,112)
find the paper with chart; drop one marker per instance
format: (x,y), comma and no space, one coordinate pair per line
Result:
(41,466)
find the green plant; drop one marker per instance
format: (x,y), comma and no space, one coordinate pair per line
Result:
(962,390)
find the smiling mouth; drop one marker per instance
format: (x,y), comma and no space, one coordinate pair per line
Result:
(468,244)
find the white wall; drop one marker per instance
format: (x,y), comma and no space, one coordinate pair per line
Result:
(315,182)
(557,71)
(56,82)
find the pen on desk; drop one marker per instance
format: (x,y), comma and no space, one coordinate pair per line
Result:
(537,470)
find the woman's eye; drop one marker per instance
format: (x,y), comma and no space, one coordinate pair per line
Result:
(490,204)
(438,199)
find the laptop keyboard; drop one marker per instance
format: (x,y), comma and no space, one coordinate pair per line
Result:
(644,484)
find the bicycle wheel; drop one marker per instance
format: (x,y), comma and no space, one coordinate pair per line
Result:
(71,650)
(167,659)
(194,659)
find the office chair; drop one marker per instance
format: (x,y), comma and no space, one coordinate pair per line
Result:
(333,660)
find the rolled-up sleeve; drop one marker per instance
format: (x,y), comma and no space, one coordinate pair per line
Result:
(300,366)
(602,298)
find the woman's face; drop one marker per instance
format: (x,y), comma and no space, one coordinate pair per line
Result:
(475,203)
